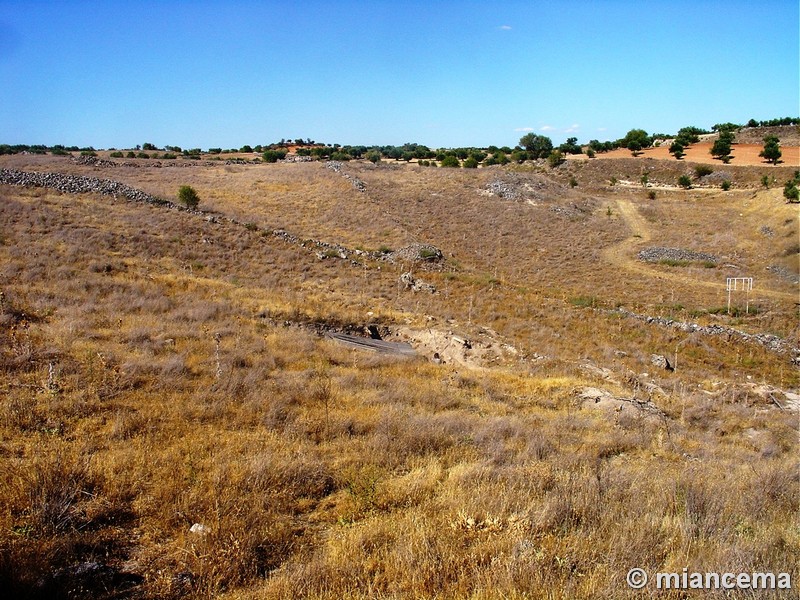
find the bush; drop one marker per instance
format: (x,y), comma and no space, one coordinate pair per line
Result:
(130,155)
(188,197)
(116,155)
(555,158)
(702,170)
(471,163)
(726,185)
(684,181)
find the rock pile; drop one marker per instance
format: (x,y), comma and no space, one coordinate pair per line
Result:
(658,254)
(414,253)
(78,184)
(502,189)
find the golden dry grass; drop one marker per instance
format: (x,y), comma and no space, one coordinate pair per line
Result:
(149,384)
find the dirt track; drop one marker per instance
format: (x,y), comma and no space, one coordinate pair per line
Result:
(622,254)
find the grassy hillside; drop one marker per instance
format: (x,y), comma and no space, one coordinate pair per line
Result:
(173,423)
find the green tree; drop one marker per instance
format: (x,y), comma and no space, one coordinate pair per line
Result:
(790,191)
(188,197)
(772,149)
(246,149)
(676,149)
(273,156)
(570,146)
(537,146)
(451,161)
(635,147)
(635,140)
(471,163)
(721,150)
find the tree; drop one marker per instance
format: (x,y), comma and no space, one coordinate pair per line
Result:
(451,161)
(772,150)
(635,140)
(570,146)
(721,149)
(676,149)
(790,191)
(188,197)
(471,162)
(148,146)
(246,149)
(273,156)
(538,146)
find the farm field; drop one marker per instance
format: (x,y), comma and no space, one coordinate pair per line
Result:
(177,419)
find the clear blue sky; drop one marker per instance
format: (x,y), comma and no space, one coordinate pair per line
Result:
(440,73)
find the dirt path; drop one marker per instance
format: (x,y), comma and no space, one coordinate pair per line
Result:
(623,255)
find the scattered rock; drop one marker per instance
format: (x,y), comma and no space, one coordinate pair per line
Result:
(661,361)
(417,285)
(199,529)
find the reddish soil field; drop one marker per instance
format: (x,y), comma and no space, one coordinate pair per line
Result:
(743,154)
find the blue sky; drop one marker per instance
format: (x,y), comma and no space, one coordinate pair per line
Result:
(444,74)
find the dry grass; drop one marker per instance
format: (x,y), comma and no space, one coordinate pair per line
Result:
(149,385)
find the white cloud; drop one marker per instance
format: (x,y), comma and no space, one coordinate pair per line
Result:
(574,128)
(547,128)
(524,129)
(505,27)
(602,129)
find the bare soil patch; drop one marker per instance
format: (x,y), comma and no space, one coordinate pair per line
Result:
(743,154)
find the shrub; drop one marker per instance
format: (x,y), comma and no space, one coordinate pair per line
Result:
(130,155)
(651,194)
(471,163)
(702,170)
(555,158)
(573,182)
(188,197)
(726,185)
(684,181)
(116,155)
(88,153)
(142,155)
